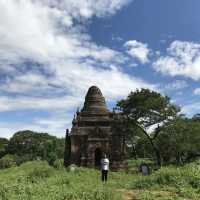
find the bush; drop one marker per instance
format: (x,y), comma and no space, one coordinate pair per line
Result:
(22,159)
(41,170)
(7,161)
(58,164)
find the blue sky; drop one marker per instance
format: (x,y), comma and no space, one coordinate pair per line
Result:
(52,51)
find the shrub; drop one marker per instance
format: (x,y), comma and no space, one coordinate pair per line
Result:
(41,171)
(7,161)
(34,171)
(58,164)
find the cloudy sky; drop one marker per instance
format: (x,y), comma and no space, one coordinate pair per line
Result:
(51,51)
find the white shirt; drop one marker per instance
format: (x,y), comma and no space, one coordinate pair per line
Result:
(104,164)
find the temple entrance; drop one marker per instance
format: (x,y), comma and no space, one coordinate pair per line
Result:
(98,156)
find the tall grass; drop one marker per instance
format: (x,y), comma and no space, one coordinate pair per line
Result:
(183,181)
(38,181)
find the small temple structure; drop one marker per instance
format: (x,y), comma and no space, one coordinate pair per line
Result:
(92,135)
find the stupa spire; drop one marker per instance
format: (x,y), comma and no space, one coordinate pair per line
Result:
(95,102)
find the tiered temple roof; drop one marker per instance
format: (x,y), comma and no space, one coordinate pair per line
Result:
(94,112)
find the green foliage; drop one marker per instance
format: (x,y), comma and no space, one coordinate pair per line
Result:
(58,164)
(144,148)
(28,145)
(41,169)
(149,107)
(138,162)
(143,109)
(7,161)
(187,176)
(3,145)
(179,140)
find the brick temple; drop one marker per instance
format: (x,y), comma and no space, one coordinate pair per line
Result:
(92,135)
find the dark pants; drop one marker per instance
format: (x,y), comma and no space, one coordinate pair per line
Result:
(104,175)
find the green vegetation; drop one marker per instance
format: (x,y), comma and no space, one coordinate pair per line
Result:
(179,141)
(174,138)
(28,145)
(3,144)
(32,163)
(143,109)
(8,161)
(37,180)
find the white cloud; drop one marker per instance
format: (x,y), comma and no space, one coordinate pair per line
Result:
(183,58)
(30,30)
(37,103)
(28,82)
(43,91)
(7,131)
(177,85)
(59,52)
(53,125)
(86,9)
(196,91)
(117,38)
(113,82)
(49,61)
(191,108)
(138,50)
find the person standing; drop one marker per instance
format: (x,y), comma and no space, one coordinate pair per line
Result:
(104,168)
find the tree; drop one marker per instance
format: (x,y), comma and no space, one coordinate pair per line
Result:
(29,145)
(179,140)
(3,145)
(144,109)
(196,117)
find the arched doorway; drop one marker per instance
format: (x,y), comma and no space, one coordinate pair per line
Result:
(98,156)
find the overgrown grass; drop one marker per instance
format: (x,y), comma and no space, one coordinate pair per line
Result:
(38,181)
(180,182)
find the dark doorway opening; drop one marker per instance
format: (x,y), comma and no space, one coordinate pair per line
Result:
(98,156)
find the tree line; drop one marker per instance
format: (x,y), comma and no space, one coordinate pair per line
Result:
(28,145)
